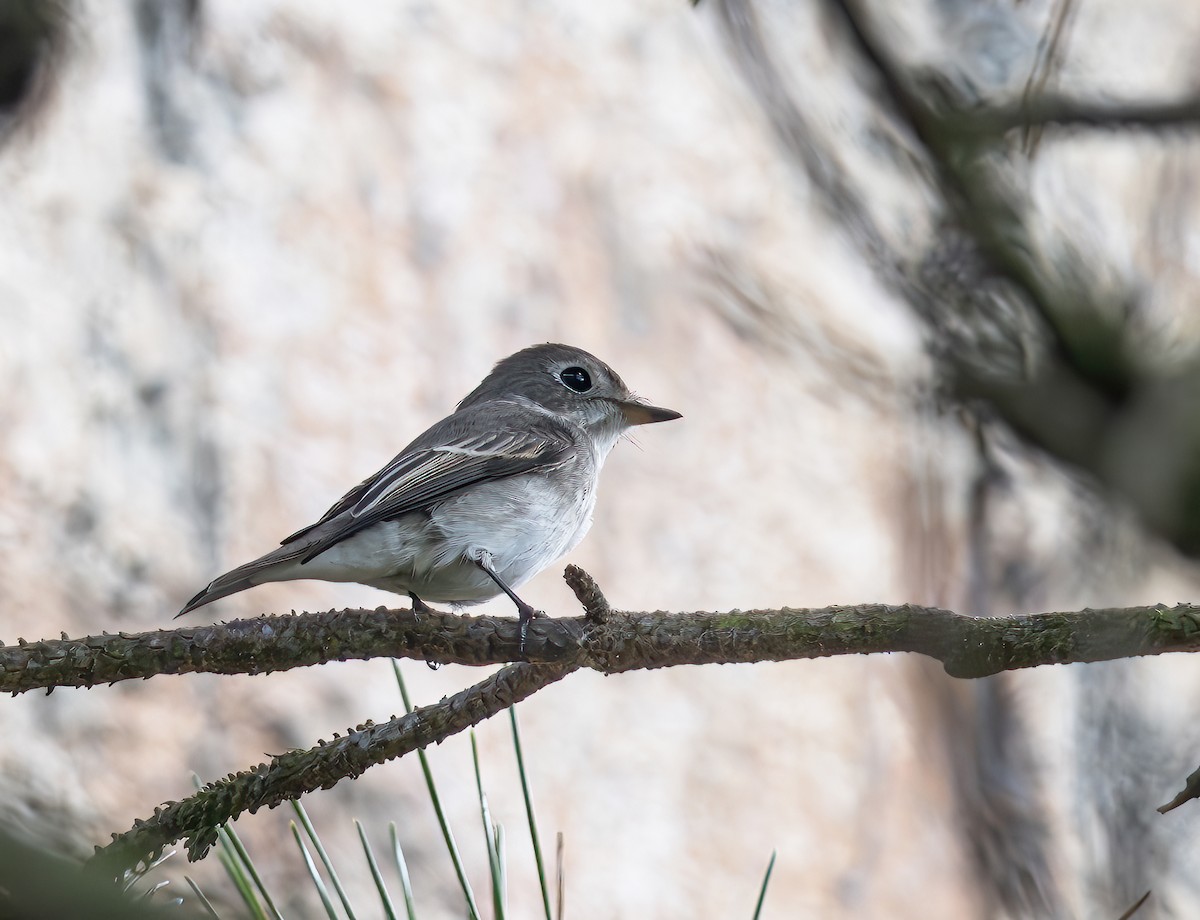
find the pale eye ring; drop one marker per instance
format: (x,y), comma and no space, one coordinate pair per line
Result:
(576,378)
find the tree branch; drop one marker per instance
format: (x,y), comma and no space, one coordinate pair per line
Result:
(991,122)
(604,639)
(608,640)
(197,818)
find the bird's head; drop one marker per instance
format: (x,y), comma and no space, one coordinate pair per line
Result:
(572,384)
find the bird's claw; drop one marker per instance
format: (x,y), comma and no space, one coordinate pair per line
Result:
(527,615)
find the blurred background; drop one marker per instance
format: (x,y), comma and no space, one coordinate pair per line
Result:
(921,280)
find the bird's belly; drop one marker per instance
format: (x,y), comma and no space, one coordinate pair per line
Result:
(523,524)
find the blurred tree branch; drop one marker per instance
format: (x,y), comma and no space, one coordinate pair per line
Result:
(33,38)
(1035,337)
(1027,340)
(990,123)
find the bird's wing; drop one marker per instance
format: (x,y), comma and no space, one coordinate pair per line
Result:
(435,467)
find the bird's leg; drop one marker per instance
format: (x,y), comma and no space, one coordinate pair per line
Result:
(419,607)
(525,611)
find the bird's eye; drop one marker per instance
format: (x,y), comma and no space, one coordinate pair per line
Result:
(577,379)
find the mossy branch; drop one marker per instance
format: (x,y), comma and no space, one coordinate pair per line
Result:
(608,640)
(603,639)
(288,776)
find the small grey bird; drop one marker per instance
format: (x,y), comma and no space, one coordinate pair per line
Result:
(482,501)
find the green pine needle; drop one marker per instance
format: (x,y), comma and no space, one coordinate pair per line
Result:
(204,902)
(318,883)
(384,897)
(402,867)
(324,857)
(497,871)
(762,894)
(447,834)
(533,830)
(241,868)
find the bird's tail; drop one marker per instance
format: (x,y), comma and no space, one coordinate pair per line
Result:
(274,566)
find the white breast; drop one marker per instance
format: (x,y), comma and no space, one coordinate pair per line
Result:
(525,523)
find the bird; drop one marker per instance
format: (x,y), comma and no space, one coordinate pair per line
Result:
(482,501)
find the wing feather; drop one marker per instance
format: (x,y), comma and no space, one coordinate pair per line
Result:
(449,458)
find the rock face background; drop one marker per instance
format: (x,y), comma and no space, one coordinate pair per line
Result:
(248,250)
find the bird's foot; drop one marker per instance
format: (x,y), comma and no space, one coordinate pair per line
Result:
(526,615)
(419,607)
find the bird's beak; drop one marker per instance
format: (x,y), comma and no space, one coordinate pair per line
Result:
(637,413)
